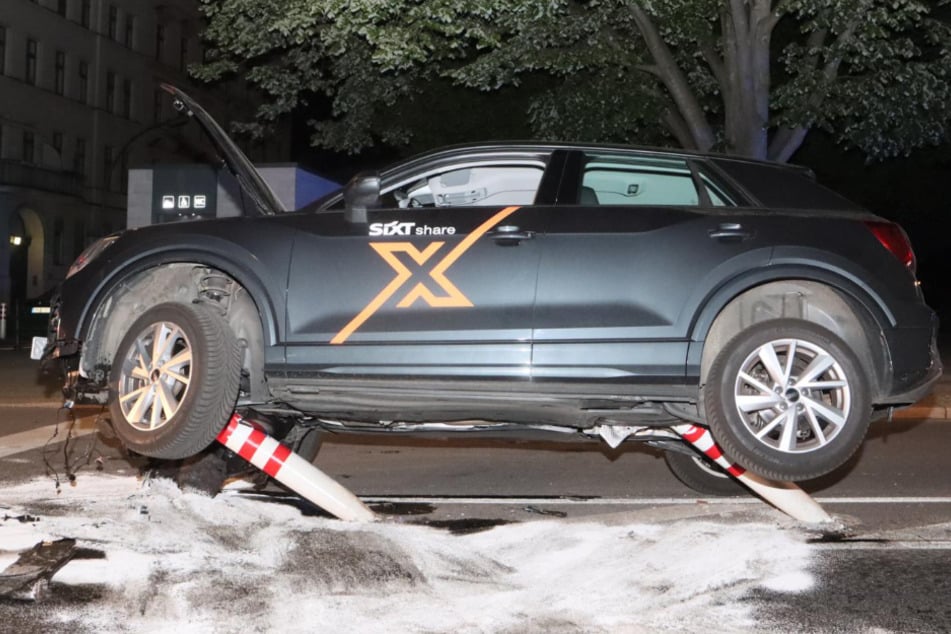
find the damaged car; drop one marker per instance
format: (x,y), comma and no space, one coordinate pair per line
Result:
(515,289)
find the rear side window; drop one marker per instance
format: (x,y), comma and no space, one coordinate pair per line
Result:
(780,187)
(624,179)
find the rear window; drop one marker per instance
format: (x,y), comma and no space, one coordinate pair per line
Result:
(776,186)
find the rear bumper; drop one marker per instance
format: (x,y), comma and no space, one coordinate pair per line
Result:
(915,364)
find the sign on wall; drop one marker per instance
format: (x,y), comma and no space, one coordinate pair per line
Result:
(181,192)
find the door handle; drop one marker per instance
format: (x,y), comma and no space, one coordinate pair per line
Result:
(730,232)
(510,234)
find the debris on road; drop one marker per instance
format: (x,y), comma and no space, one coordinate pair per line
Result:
(28,577)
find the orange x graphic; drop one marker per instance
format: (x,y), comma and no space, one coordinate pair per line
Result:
(454,298)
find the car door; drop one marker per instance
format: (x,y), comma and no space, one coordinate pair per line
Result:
(643,238)
(439,282)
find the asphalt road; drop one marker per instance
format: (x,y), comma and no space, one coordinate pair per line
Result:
(892,573)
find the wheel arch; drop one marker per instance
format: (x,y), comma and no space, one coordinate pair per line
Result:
(174,275)
(832,302)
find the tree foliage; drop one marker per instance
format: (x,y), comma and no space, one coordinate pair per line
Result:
(749,77)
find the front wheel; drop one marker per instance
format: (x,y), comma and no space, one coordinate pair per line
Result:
(788,400)
(174,380)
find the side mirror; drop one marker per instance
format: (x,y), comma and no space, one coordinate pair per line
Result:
(360,194)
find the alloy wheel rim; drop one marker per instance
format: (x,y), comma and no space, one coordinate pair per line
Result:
(155,376)
(792,396)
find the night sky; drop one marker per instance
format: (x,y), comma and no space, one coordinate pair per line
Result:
(912,191)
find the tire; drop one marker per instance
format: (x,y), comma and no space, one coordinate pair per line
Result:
(309,445)
(701,475)
(172,407)
(776,422)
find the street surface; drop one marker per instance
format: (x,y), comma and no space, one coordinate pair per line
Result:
(892,573)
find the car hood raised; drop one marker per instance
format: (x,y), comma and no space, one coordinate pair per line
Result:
(266,202)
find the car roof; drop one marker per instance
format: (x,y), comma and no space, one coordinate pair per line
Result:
(502,147)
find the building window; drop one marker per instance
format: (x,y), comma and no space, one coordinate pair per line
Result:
(59,252)
(58,143)
(29,147)
(129,31)
(60,83)
(61,7)
(86,13)
(79,157)
(79,237)
(124,172)
(111,91)
(127,98)
(159,42)
(107,160)
(30,77)
(113,22)
(83,82)
(3,49)
(183,53)
(157,100)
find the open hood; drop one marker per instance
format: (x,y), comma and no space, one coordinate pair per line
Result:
(248,177)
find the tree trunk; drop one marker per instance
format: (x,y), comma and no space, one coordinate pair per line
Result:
(747,29)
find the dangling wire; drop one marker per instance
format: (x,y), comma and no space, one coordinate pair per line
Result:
(70,466)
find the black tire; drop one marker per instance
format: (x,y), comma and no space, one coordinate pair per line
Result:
(748,409)
(198,371)
(309,445)
(702,475)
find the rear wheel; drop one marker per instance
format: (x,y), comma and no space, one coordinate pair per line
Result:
(174,380)
(702,475)
(788,400)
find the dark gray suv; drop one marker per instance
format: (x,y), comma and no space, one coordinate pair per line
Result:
(516,288)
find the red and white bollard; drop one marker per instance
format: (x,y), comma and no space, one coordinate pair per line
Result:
(281,463)
(786,496)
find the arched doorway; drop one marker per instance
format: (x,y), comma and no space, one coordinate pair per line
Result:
(19,261)
(33,255)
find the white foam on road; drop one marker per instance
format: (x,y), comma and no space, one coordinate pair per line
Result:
(186,563)
(595,501)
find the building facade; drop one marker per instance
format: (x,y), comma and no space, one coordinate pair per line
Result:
(80,104)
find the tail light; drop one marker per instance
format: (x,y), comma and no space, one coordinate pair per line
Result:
(894,238)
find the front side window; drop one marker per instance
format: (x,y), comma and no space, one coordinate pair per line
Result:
(469,186)
(616,179)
